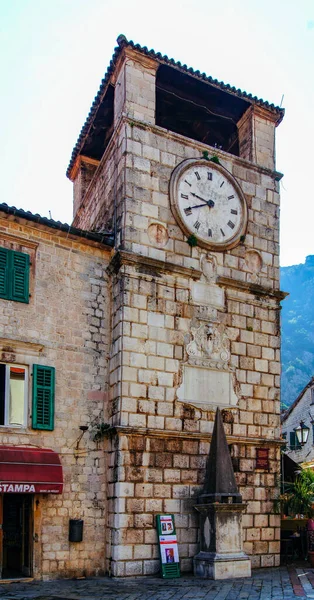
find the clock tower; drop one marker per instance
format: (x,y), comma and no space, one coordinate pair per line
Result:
(180,168)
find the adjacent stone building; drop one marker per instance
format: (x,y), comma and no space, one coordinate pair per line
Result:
(155,309)
(301,412)
(55,345)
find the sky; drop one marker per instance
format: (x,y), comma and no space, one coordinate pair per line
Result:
(54,53)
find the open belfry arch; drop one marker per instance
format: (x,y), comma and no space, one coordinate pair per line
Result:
(194,276)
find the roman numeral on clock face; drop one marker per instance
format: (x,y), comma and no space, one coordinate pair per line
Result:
(230,224)
(222,232)
(197,175)
(185,196)
(209,175)
(234,211)
(185,181)
(221,184)
(197,225)
(210,233)
(230,197)
(188,211)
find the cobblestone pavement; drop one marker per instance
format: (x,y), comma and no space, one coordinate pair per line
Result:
(283,583)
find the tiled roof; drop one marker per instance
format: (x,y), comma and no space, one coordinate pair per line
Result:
(289,410)
(122,43)
(102,238)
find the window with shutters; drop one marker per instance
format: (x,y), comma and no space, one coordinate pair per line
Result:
(294,443)
(14,275)
(13,395)
(43,397)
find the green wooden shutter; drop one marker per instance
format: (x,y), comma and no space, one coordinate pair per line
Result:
(4,273)
(294,443)
(292,439)
(20,277)
(14,275)
(43,397)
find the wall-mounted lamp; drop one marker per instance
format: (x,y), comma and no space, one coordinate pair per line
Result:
(83,428)
(302,433)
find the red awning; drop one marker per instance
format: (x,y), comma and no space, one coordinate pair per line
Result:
(26,470)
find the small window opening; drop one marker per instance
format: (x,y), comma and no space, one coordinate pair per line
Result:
(294,444)
(198,110)
(13,395)
(100,134)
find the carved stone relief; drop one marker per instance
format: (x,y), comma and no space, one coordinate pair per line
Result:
(158,234)
(209,267)
(254,264)
(207,377)
(206,292)
(211,344)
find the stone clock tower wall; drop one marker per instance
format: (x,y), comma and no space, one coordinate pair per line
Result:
(192,330)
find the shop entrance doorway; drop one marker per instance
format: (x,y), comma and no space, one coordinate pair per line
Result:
(16,535)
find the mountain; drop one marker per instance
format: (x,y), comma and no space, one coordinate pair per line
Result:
(297,320)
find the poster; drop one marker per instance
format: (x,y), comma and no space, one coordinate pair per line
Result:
(166,523)
(168,546)
(168,549)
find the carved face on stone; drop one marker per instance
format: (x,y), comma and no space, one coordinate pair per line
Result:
(253,261)
(158,235)
(208,266)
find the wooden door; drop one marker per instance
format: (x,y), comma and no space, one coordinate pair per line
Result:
(27,535)
(1,534)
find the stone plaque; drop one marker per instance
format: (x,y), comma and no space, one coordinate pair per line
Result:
(208,294)
(262,459)
(207,388)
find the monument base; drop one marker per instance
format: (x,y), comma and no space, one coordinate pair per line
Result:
(210,565)
(221,555)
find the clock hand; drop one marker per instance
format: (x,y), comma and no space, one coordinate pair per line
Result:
(210,203)
(196,196)
(198,206)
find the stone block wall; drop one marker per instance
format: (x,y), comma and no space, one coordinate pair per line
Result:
(65,325)
(163,294)
(264,139)
(156,300)
(152,154)
(256,130)
(152,317)
(135,87)
(102,202)
(82,175)
(301,410)
(157,474)
(161,474)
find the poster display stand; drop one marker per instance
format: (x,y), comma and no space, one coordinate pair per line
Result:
(168,546)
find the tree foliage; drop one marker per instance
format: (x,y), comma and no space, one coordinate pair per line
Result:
(298,496)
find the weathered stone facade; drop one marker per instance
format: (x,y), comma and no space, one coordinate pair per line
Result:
(65,325)
(151,336)
(163,291)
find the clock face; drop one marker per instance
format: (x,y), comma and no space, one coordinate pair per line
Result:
(209,203)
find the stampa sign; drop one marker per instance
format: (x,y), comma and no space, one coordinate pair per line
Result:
(15,488)
(27,488)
